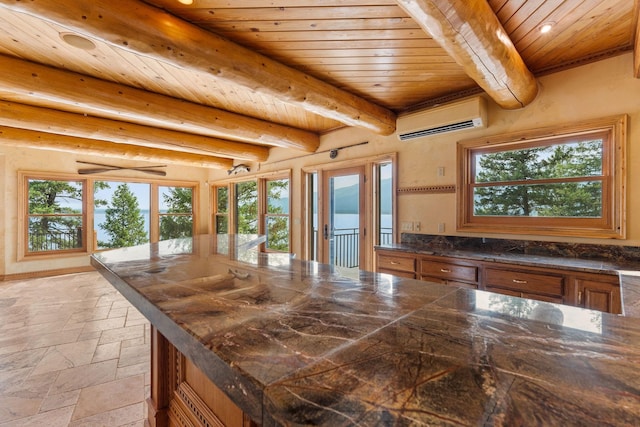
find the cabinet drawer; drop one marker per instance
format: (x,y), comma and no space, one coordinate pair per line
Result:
(449,282)
(407,274)
(449,270)
(526,282)
(398,263)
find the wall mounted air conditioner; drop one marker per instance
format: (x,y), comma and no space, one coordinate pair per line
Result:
(465,114)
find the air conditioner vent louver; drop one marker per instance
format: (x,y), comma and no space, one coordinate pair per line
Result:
(440,129)
(465,114)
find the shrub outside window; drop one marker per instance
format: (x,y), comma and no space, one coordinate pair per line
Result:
(566,181)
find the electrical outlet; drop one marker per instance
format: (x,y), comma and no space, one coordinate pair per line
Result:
(441,227)
(406,226)
(441,171)
(416,225)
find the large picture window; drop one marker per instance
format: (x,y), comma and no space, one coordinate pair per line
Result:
(570,182)
(56,220)
(62,214)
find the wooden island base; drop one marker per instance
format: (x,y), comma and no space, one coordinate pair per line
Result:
(182,396)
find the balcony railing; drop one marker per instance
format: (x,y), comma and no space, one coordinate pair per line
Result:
(346,245)
(55,240)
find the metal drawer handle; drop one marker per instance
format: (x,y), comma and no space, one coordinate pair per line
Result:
(520,282)
(394,263)
(445,270)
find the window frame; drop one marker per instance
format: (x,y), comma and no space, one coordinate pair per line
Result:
(371,211)
(261,186)
(156,186)
(89,244)
(23,214)
(612,223)
(215,213)
(263,208)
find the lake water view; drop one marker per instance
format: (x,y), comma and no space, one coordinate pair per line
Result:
(342,221)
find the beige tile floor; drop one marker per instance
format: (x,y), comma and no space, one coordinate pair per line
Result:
(73,352)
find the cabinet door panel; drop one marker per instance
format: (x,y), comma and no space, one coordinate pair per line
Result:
(597,295)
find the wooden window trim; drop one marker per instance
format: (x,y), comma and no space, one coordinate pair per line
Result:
(23,215)
(88,214)
(612,224)
(260,179)
(263,211)
(155,187)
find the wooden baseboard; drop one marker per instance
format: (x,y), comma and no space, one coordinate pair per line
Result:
(46,273)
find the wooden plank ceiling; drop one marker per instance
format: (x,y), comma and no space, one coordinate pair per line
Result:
(161,75)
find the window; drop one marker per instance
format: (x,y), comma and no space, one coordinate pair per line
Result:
(120,214)
(55,215)
(221,210)
(246,207)
(384,202)
(176,212)
(555,182)
(61,213)
(276,223)
(259,206)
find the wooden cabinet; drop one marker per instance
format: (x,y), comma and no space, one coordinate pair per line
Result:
(601,294)
(525,284)
(182,395)
(457,273)
(397,263)
(557,285)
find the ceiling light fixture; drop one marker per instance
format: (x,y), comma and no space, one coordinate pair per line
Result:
(546,27)
(186,1)
(77,41)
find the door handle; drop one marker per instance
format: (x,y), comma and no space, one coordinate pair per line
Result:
(326,232)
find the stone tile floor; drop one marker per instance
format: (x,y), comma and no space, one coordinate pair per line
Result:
(73,352)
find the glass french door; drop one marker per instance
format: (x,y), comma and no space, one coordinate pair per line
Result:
(342,229)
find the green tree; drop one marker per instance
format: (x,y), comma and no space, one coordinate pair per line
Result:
(247,207)
(53,223)
(277,215)
(516,189)
(124,223)
(178,220)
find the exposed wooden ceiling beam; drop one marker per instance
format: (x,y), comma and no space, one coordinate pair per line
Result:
(153,33)
(68,144)
(472,35)
(62,123)
(35,84)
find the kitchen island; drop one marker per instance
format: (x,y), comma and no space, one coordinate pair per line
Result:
(245,338)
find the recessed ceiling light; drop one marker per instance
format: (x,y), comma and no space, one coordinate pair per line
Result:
(546,27)
(186,1)
(77,41)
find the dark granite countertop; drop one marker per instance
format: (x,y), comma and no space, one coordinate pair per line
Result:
(295,343)
(571,263)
